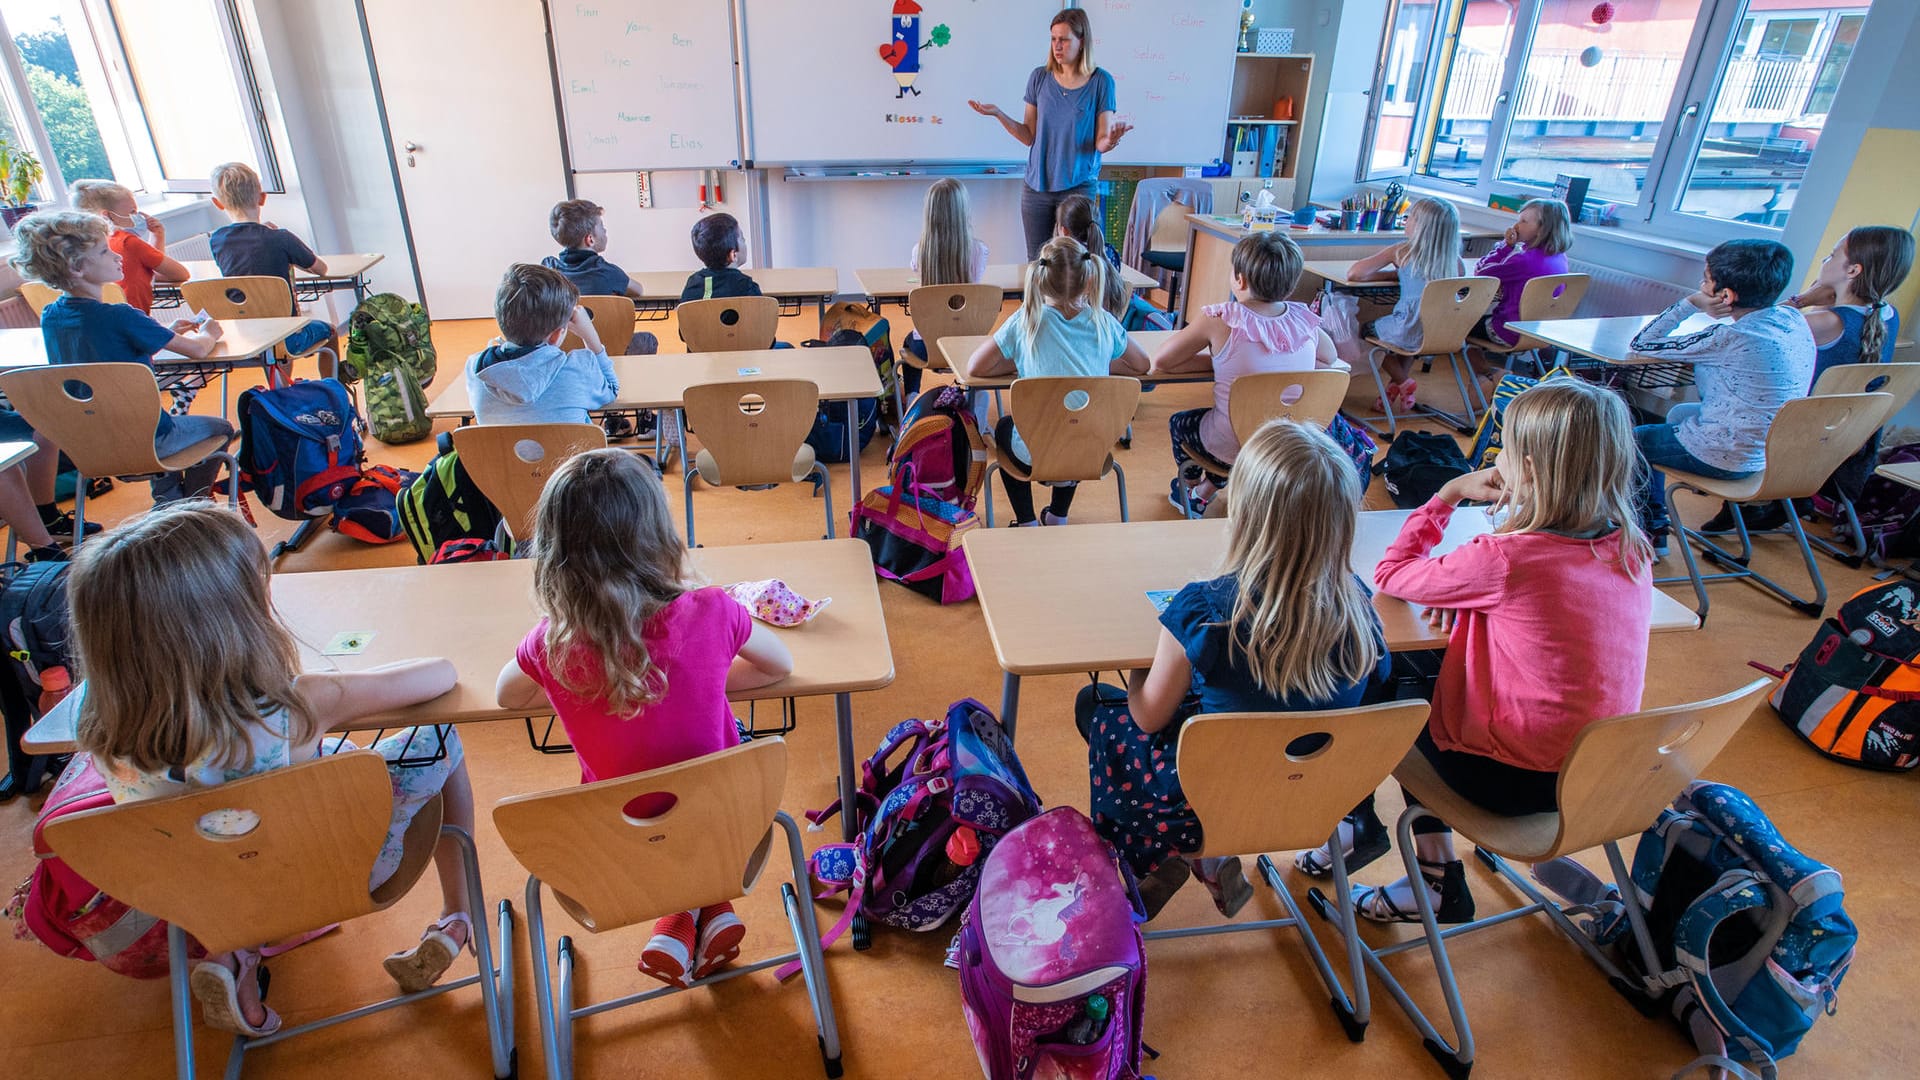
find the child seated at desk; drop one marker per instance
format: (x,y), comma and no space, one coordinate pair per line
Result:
(636,658)
(524,377)
(1286,627)
(947,253)
(720,247)
(1076,216)
(1535,246)
(1430,252)
(1745,370)
(68,250)
(580,228)
(249,247)
(1060,329)
(139,239)
(225,698)
(1257,330)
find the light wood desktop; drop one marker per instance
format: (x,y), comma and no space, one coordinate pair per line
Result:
(242,342)
(1334,273)
(344,272)
(891,284)
(660,289)
(958,349)
(1900,472)
(1608,339)
(13,453)
(1074,599)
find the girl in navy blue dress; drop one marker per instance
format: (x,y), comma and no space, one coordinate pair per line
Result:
(1285,627)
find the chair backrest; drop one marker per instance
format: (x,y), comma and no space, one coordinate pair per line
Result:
(1264,782)
(258,297)
(1550,296)
(1169,228)
(1311,397)
(753,427)
(946,310)
(1070,424)
(320,827)
(102,415)
(1448,309)
(729,324)
(1901,380)
(1623,771)
(510,463)
(38,294)
(610,869)
(1809,438)
(612,320)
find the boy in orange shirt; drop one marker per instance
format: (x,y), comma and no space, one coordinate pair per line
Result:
(139,239)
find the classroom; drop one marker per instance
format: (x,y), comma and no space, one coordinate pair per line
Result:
(524,556)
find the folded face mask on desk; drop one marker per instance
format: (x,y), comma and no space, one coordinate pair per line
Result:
(773,603)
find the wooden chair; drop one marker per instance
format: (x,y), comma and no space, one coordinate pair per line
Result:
(1448,309)
(729,324)
(1070,426)
(38,294)
(262,297)
(1619,776)
(1310,397)
(612,319)
(1261,782)
(510,464)
(103,416)
(321,825)
(1809,438)
(1550,296)
(753,432)
(941,311)
(608,869)
(1167,248)
(1901,380)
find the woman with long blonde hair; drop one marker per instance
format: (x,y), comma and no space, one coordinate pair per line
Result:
(1285,626)
(1430,252)
(636,658)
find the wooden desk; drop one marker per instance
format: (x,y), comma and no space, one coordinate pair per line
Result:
(892,284)
(1073,599)
(242,342)
(958,348)
(1901,472)
(1334,273)
(843,650)
(1608,339)
(344,272)
(660,381)
(13,453)
(791,285)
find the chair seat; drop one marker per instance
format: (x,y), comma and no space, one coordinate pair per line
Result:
(1486,344)
(1205,460)
(1168,260)
(709,469)
(1397,350)
(195,454)
(1530,838)
(1741,490)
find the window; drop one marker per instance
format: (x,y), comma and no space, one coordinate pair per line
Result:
(199,115)
(1505,96)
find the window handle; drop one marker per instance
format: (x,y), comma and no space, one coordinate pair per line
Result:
(1692,110)
(1502,98)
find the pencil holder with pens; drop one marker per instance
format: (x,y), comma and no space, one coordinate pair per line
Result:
(1349,220)
(1369,220)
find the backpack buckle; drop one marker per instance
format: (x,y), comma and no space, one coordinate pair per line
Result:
(939,785)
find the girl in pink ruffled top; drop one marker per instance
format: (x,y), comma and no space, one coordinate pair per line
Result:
(1258,330)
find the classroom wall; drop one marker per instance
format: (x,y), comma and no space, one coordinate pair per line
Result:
(1349,62)
(1316,29)
(867,223)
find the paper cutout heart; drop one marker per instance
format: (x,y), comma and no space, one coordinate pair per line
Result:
(893,52)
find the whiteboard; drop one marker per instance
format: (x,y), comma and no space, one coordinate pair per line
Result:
(819,90)
(647,84)
(1172,67)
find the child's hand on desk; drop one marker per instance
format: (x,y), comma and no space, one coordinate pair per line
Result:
(1441,619)
(212,330)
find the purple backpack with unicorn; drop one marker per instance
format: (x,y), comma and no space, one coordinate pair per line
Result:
(1053,973)
(933,799)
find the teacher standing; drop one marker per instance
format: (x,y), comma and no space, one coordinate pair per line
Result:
(1067,126)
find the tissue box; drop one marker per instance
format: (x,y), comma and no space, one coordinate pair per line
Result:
(1274,40)
(1262,218)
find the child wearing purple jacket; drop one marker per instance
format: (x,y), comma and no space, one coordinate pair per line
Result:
(1535,246)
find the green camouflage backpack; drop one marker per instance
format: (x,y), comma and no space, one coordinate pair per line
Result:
(388,345)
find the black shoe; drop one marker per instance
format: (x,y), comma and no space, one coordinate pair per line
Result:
(50,553)
(61,528)
(1759,519)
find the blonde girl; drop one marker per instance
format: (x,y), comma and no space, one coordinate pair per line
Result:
(636,658)
(139,239)
(1547,615)
(1061,329)
(1431,251)
(947,253)
(1285,626)
(226,698)
(1535,246)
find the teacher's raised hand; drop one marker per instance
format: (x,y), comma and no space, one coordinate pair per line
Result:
(1114,133)
(1022,131)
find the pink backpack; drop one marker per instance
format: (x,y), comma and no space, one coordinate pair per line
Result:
(915,521)
(1052,969)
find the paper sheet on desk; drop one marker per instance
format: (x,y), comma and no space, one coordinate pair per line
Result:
(198,319)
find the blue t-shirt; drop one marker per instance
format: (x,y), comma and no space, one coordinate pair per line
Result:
(1197,617)
(250,249)
(1845,349)
(1062,156)
(1085,345)
(590,272)
(82,331)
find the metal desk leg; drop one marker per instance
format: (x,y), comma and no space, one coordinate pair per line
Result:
(843,720)
(853,449)
(1009,701)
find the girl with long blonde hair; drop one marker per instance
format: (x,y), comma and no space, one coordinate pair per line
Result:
(1060,330)
(1430,252)
(225,698)
(947,253)
(1547,615)
(1285,626)
(636,658)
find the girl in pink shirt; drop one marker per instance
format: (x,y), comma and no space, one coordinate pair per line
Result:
(1548,618)
(636,658)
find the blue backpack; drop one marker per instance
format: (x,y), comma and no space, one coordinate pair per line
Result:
(299,447)
(1753,932)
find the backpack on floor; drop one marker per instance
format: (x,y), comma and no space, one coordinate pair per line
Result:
(875,334)
(1887,508)
(933,799)
(397,406)
(34,626)
(1142,315)
(300,447)
(914,522)
(1053,972)
(1418,464)
(829,434)
(1854,693)
(388,331)
(467,549)
(1753,934)
(1486,437)
(443,503)
(370,510)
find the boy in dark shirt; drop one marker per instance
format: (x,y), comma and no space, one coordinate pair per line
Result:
(580,228)
(719,245)
(249,247)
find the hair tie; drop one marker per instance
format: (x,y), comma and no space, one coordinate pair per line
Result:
(1086,256)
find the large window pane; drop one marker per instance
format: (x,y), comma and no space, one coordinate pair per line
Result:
(1470,70)
(54,81)
(1767,113)
(1403,73)
(200,113)
(1593,96)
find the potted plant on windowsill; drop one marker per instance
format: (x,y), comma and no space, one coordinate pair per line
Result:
(20,170)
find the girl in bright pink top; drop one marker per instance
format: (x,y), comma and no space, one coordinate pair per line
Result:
(635,658)
(1549,617)
(1535,246)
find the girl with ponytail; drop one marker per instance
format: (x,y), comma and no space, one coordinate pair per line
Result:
(1846,307)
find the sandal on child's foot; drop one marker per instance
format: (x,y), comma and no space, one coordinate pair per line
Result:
(1446,886)
(417,968)
(1159,886)
(1226,882)
(1364,838)
(721,932)
(217,987)
(669,953)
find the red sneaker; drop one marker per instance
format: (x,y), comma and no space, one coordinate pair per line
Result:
(669,954)
(720,934)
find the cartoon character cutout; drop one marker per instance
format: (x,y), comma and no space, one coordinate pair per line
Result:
(902,53)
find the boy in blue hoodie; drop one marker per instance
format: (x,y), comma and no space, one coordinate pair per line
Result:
(524,377)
